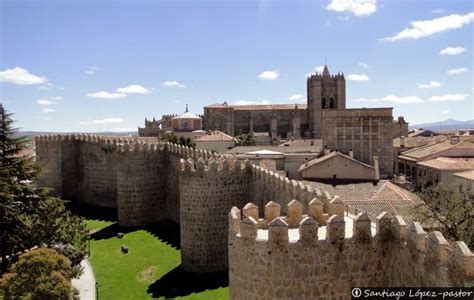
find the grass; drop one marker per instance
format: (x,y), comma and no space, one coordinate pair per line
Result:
(150,264)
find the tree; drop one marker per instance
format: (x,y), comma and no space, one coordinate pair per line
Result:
(39,274)
(451,209)
(247,139)
(173,138)
(28,215)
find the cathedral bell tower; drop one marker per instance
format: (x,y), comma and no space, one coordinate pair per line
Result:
(324,91)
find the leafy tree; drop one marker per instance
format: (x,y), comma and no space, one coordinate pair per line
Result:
(39,275)
(173,138)
(246,139)
(28,215)
(451,209)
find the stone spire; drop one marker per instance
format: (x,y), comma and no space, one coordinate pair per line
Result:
(326,71)
(186,109)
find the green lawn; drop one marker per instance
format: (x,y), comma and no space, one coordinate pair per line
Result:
(128,276)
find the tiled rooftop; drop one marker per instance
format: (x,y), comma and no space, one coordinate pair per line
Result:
(450,163)
(373,198)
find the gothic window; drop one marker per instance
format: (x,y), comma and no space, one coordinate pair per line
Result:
(217,123)
(331,103)
(261,124)
(323,103)
(241,123)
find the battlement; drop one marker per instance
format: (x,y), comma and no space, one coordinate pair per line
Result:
(319,76)
(188,152)
(168,116)
(121,144)
(339,250)
(314,227)
(222,164)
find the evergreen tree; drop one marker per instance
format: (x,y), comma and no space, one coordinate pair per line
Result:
(28,215)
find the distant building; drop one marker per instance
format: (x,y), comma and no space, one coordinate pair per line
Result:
(427,165)
(442,169)
(215,141)
(336,167)
(368,131)
(187,124)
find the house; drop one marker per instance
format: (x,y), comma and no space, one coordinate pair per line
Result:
(337,167)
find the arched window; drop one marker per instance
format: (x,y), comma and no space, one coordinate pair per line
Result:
(331,103)
(323,103)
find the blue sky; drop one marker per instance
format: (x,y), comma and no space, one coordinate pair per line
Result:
(104,65)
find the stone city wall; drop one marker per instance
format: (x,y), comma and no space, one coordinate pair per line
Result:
(148,182)
(208,189)
(296,256)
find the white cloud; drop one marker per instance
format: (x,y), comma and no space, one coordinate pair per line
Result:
(421,29)
(46,119)
(438,11)
(123,129)
(104,121)
(246,102)
(363,65)
(269,75)
(449,97)
(133,89)
(319,69)
(360,8)
(343,18)
(46,87)
(402,100)
(444,112)
(172,83)
(296,97)
(365,100)
(20,76)
(48,110)
(358,77)
(431,84)
(452,51)
(106,95)
(45,102)
(456,71)
(91,70)
(393,99)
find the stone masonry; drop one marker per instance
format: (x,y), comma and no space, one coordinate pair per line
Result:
(148,181)
(305,256)
(275,251)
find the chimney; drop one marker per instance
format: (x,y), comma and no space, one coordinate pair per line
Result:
(327,150)
(454,139)
(351,153)
(402,142)
(376,166)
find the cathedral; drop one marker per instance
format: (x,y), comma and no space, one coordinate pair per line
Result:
(366,133)
(324,92)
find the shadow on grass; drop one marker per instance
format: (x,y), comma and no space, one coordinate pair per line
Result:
(178,282)
(166,231)
(94,212)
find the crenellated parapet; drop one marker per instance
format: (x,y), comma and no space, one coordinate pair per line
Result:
(193,153)
(273,254)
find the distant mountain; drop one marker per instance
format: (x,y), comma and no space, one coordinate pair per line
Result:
(446,125)
(108,133)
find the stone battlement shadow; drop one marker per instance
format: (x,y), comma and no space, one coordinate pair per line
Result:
(166,231)
(94,212)
(178,283)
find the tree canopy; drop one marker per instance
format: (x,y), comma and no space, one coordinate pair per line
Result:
(40,274)
(29,216)
(450,208)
